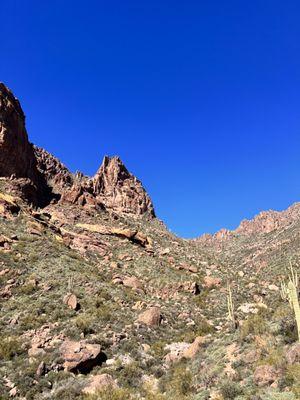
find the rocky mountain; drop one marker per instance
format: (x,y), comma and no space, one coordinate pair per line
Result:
(98,300)
(113,187)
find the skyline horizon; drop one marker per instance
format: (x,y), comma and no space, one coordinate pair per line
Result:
(200,100)
(145,187)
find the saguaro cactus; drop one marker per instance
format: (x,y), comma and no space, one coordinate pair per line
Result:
(230,306)
(290,292)
(294,301)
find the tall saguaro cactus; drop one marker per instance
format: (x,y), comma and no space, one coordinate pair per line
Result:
(230,306)
(290,292)
(294,301)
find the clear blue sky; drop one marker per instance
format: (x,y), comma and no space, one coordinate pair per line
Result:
(201,99)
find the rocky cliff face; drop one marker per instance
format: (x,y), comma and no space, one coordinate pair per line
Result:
(119,190)
(16,153)
(113,187)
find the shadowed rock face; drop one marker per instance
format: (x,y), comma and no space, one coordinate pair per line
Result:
(16,153)
(113,187)
(47,179)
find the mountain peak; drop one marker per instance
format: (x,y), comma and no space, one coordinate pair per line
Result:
(113,186)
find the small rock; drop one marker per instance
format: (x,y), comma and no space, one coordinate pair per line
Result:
(273,288)
(71,301)
(98,382)
(265,375)
(293,354)
(210,282)
(35,352)
(41,369)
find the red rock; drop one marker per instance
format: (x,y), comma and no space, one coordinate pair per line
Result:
(71,301)
(81,356)
(16,153)
(98,382)
(150,317)
(41,177)
(133,282)
(119,190)
(265,375)
(210,282)
(292,355)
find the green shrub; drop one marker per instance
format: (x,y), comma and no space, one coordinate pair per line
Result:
(84,324)
(230,390)
(255,324)
(111,394)
(9,348)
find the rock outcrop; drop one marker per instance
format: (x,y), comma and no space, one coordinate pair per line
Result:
(113,187)
(81,356)
(16,153)
(119,190)
(46,179)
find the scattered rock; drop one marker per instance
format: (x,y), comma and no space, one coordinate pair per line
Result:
(265,375)
(210,282)
(98,382)
(71,301)
(41,369)
(133,282)
(273,288)
(35,352)
(193,349)
(292,355)
(151,317)
(80,356)
(181,350)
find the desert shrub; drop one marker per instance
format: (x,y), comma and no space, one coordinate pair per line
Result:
(293,378)
(275,358)
(130,375)
(230,390)
(84,324)
(10,347)
(272,395)
(112,394)
(256,324)
(27,289)
(104,313)
(178,382)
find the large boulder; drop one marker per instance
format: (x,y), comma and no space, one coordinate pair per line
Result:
(80,356)
(151,317)
(265,375)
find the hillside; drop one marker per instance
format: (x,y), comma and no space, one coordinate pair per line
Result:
(98,300)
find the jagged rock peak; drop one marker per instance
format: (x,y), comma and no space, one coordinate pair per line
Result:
(55,172)
(16,153)
(119,190)
(47,179)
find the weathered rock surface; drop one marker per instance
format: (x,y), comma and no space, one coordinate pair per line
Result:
(98,382)
(119,190)
(16,153)
(71,301)
(150,317)
(81,356)
(265,375)
(292,355)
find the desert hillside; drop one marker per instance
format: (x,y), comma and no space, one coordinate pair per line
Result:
(98,300)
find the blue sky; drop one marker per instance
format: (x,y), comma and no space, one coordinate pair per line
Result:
(201,99)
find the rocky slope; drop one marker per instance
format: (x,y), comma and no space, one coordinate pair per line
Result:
(98,300)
